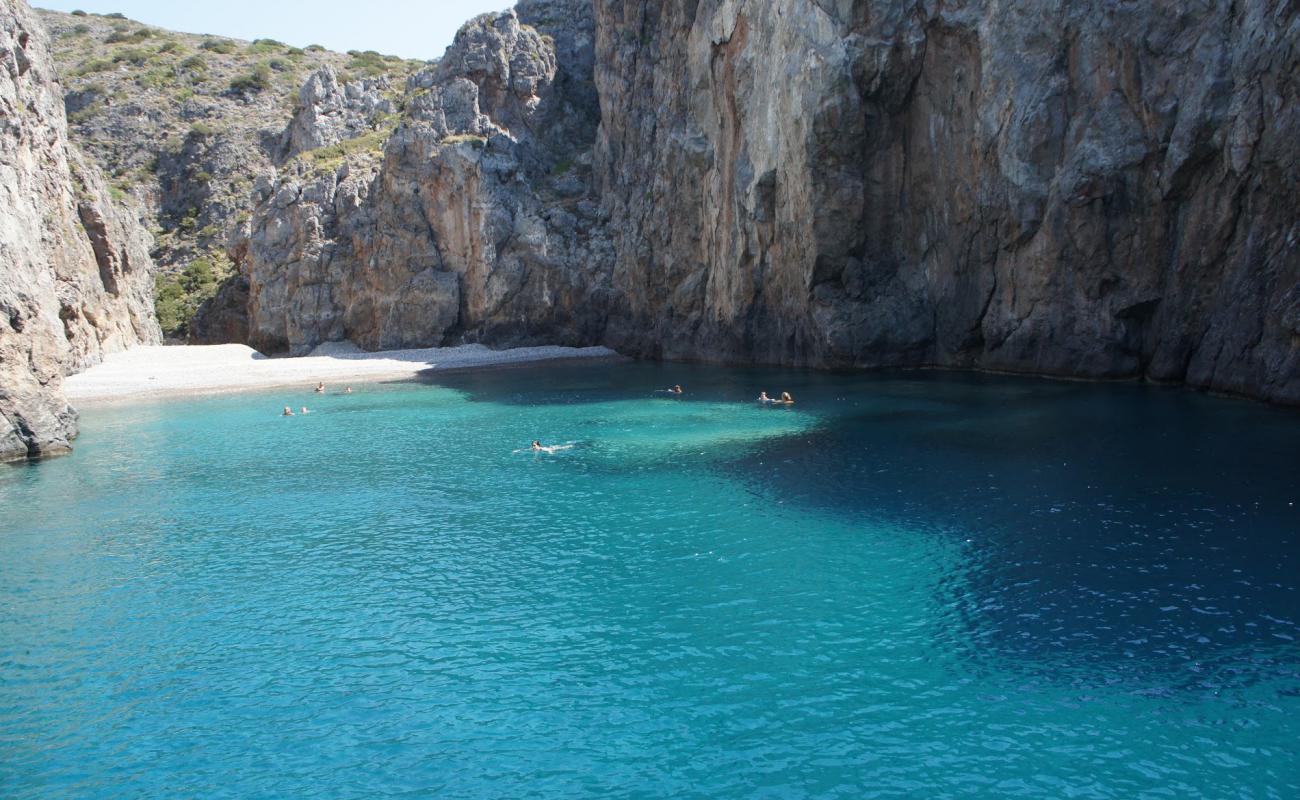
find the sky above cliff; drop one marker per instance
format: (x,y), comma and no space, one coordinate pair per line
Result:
(408,28)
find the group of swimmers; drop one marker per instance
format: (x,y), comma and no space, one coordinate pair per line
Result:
(786,399)
(320,389)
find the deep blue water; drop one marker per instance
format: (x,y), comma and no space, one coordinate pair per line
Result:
(906,585)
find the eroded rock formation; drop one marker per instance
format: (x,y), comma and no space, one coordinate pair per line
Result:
(470,221)
(75,275)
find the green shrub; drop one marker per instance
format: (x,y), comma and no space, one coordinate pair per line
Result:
(171,47)
(202,129)
(195,65)
(78,13)
(369,64)
(314,48)
(133,37)
(221,46)
(279,65)
(94,65)
(261,47)
(86,113)
(331,157)
(256,81)
(138,56)
(115,15)
(203,177)
(178,296)
(157,78)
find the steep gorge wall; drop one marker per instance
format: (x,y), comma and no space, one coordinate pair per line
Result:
(1095,189)
(76,279)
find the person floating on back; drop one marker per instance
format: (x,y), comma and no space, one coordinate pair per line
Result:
(288,412)
(320,387)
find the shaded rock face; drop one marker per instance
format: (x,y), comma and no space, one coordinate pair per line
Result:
(1093,189)
(459,227)
(76,280)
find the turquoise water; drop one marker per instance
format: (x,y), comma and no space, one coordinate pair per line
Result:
(910,585)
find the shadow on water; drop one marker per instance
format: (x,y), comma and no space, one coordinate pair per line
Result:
(1108,529)
(1136,529)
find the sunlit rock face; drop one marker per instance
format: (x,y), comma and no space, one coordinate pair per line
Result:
(76,280)
(1092,189)
(471,220)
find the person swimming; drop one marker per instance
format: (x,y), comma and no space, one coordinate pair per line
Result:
(304,410)
(347,390)
(288,412)
(320,387)
(538,447)
(677,389)
(763,398)
(786,398)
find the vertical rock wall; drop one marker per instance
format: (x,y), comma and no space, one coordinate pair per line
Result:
(1093,189)
(76,280)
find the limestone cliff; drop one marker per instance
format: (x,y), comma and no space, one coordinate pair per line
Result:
(1098,189)
(76,279)
(471,220)
(1093,189)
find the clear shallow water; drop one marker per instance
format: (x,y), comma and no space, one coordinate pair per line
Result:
(912,585)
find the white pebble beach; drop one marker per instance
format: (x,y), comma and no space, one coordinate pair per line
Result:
(143,373)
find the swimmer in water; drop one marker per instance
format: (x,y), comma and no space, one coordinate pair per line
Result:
(538,447)
(763,398)
(304,410)
(786,398)
(320,387)
(347,390)
(288,412)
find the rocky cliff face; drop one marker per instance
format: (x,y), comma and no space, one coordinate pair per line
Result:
(76,280)
(1093,189)
(471,220)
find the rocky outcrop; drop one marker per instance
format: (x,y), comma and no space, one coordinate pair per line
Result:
(1091,189)
(470,221)
(76,280)
(329,112)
